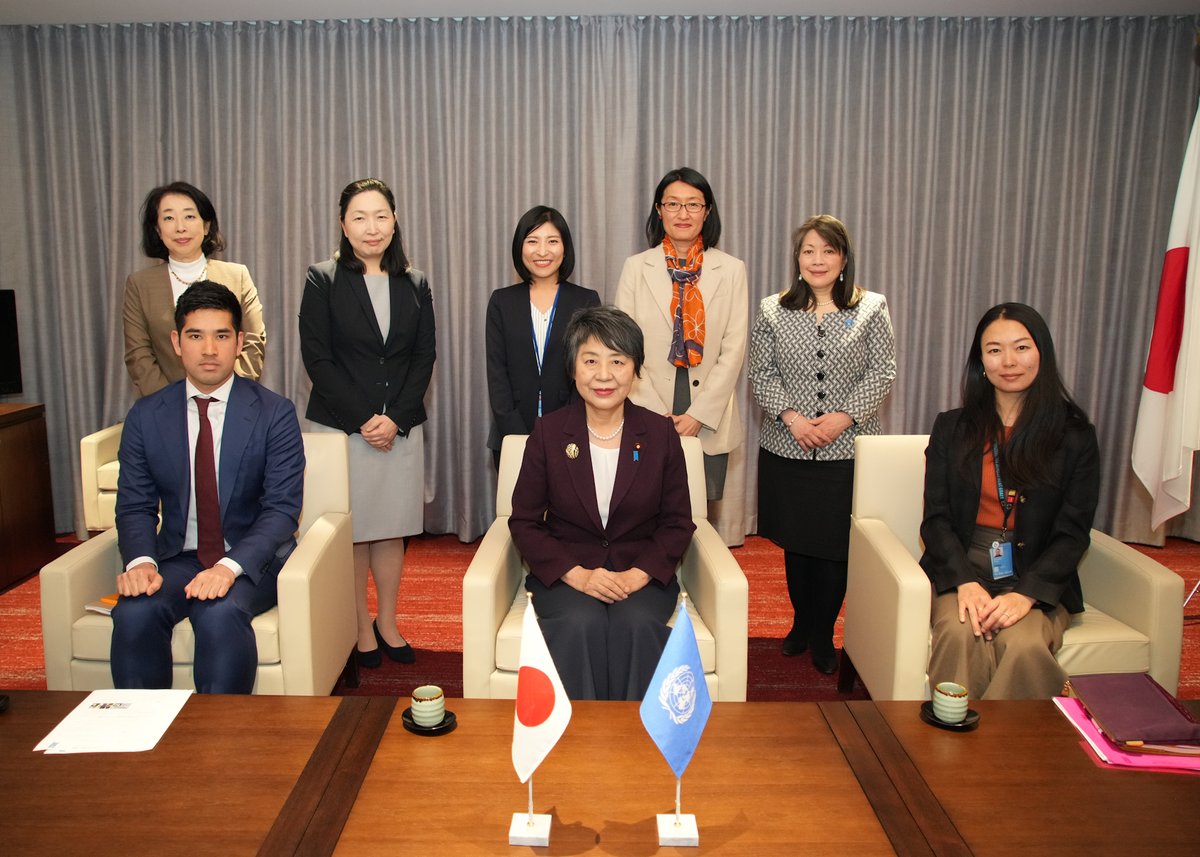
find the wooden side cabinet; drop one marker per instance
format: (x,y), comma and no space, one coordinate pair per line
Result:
(26,501)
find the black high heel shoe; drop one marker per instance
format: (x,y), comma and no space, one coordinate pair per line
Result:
(400,654)
(370,660)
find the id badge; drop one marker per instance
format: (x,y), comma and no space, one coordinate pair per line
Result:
(1002,563)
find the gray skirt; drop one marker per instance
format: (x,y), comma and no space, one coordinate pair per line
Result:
(387,489)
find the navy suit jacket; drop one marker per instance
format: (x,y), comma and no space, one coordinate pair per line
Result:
(260,477)
(1053,522)
(512,370)
(355,372)
(555,520)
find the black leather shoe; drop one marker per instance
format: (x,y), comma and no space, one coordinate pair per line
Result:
(400,654)
(794,645)
(825,662)
(370,659)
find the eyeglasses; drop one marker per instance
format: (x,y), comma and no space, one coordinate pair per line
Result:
(674,205)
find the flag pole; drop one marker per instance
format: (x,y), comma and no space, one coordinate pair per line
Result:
(678,782)
(531,800)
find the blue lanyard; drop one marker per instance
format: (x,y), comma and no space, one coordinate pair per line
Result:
(1005,497)
(539,353)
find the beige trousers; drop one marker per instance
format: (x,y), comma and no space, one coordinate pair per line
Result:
(1017,663)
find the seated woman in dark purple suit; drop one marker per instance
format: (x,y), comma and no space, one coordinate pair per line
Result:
(602,515)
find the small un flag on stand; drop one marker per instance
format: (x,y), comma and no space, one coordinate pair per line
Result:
(675,712)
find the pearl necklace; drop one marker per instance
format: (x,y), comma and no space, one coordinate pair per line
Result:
(182,281)
(598,436)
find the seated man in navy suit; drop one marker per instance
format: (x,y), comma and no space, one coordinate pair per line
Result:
(225,459)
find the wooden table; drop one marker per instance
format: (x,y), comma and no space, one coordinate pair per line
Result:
(232,775)
(767,778)
(302,775)
(1021,783)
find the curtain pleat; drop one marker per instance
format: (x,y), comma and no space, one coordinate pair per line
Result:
(974,161)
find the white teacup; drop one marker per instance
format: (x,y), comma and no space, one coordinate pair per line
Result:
(950,702)
(428,705)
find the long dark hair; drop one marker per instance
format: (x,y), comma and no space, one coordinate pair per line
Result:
(530,221)
(152,243)
(394,260)
(710,232)
(800,294)
(1047,411)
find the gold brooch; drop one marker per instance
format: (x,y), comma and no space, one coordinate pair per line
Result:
(572,451)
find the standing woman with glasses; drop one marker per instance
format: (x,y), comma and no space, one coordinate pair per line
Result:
(525,323)
(367,340)
(179,230)
(689,299)
(822,360)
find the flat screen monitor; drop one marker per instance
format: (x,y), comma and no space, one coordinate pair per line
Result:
(10,349)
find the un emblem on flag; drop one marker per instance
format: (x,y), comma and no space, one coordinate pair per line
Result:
(677,694)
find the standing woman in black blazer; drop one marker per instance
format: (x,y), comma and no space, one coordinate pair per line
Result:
(1011,484)
(526,373)
(367,339)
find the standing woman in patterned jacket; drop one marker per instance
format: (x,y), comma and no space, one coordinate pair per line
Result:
(822,360)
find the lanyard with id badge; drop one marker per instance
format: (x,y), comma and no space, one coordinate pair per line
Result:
(1001,552)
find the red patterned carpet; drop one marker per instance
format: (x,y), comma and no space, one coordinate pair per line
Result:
(431,608)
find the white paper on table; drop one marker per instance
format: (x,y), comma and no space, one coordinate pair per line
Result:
(116,721)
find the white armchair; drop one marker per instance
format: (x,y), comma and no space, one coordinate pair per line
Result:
(99,469)
(1133,621)
(303,642)
(494,594)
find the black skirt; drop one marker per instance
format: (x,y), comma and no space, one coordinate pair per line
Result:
(804,505)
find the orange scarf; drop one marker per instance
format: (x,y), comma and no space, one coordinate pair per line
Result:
(687,304)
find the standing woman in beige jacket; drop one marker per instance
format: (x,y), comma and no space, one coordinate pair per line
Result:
(689,298)
(180,232)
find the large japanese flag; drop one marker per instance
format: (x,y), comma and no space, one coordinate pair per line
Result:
(543,710)
(1168,421)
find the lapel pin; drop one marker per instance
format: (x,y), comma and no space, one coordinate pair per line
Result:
(572,451)
(636,451)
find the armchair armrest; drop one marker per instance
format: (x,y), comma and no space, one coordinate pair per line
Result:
(718,588)
(886,631)
(489,584)
(1134,589)
(94,450)
(83,574)
(317,622)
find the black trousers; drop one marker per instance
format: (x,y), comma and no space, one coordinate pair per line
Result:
(604,651)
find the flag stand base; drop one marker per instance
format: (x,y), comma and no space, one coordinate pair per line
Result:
(529,829)
(677,829)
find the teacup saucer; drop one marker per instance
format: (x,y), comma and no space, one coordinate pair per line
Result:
(968,723)
(449,721)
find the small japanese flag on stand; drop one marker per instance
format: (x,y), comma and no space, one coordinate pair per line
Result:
(543,712)
(675,712)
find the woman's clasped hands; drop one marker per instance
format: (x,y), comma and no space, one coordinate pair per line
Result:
(604,585)
(990,615)
(817,432)
(380,432)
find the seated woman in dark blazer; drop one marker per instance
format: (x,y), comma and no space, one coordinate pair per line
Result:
(525,325)
(1011,485)
(602,515)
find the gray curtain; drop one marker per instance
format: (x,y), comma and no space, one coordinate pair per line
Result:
(974,160)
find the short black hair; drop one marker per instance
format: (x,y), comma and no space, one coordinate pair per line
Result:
(530,221)
(205,294)
(152,243)
(710,232)
(394,259)
(611,326)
